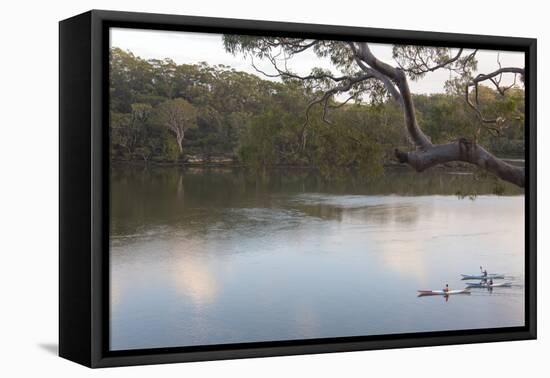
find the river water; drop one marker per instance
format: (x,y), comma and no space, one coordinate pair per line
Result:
(214,256)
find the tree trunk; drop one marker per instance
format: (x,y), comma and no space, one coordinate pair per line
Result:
(465,151)
(179,139)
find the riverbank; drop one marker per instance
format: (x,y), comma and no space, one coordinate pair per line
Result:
(218,162)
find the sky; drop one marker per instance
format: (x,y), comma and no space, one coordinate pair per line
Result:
(192,48)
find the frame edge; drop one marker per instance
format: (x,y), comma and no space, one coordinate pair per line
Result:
(75,272)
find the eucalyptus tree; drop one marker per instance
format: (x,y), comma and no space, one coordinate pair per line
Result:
(178,115)
(362,75)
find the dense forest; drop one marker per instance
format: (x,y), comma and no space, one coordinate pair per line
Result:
(168,113)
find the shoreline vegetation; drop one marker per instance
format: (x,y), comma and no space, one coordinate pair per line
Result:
(458,179)
(233,162)
(169,114)
(463,182)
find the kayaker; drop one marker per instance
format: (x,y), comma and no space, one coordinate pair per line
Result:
(483,272)
(446,290)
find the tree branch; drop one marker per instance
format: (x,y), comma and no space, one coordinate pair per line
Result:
(390,87)
(396,83)
(398,77)
(490,76)
(482,77)
(346,86)
(288,74)
(464,151)
(429,155)
(426,68)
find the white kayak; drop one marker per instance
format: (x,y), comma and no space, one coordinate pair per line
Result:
(486,285)
(443,292)
(481,276)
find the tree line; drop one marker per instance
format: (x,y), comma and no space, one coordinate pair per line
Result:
(161,111)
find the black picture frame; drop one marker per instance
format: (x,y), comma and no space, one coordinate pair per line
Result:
(84,189)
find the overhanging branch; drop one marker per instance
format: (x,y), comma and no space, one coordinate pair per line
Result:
(398,77)
(465,151)
(502,90)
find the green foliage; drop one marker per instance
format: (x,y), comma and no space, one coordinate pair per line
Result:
(224,112)
(339,148)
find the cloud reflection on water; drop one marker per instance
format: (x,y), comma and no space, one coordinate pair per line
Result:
(191,273)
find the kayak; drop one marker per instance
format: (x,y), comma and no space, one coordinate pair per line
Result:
(484,284)
(481,276)
(443,292)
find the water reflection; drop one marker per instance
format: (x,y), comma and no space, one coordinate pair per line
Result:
(223,256)
(192,275)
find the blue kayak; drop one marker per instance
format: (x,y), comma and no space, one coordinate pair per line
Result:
(482,277)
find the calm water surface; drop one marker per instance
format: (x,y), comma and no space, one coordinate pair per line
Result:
(221,256)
